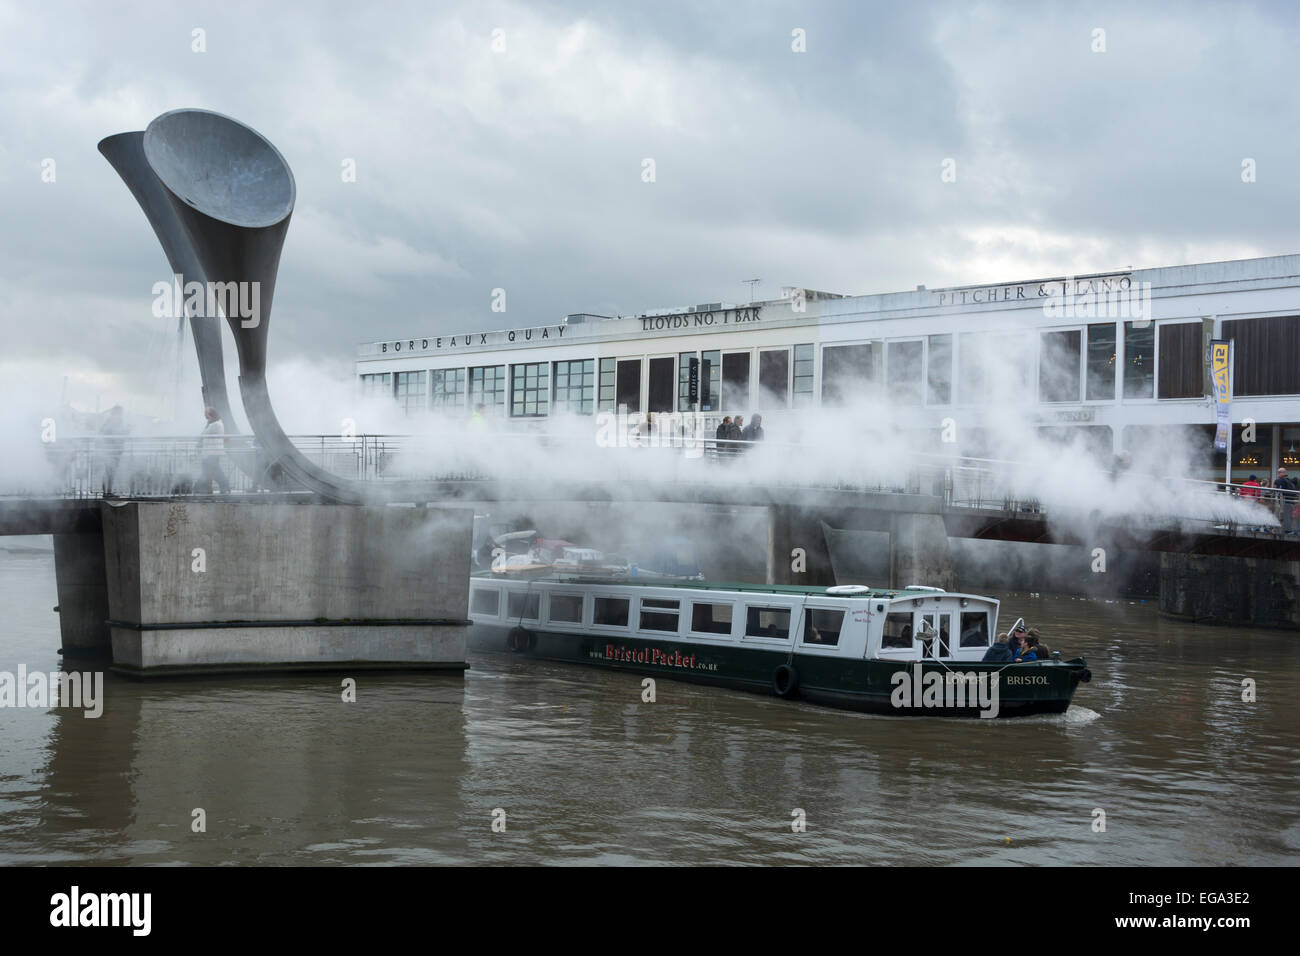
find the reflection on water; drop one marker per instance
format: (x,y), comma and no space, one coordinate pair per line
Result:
(286,772)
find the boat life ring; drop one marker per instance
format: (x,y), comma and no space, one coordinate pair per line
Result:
(848,589)
(519,640)
(785,681)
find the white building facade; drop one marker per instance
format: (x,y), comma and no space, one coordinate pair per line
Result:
(1115,355)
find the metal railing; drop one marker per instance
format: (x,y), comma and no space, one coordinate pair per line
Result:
(165,466)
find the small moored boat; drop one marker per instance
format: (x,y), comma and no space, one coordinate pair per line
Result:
(912,650)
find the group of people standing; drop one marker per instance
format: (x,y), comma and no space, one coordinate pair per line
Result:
(1284,495)
(737,431)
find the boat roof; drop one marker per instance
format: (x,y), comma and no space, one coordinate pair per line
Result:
(642,581)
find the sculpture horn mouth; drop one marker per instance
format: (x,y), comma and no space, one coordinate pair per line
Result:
(220,167)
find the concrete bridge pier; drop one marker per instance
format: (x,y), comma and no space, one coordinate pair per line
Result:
(859,546)
(212,586)
(1247,592)
(919,552)
(83,594)
(797,550)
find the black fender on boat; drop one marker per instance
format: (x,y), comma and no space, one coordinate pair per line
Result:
(785,681)
(1085,675)
(520,639)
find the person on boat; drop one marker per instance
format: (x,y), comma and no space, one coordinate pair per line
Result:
(1036,642)
(1016,643)
(1028,645)
(1000,651)
(754,430)
(723,432)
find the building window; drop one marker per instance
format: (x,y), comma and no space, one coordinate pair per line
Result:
(974,629)
(608,374)
(523,604)
(485,601)
(711,618)
(566,608)
(1059,366)
(822,626)
(903,372)
(627,384)
(658,615)
(447,388)
(768,622)
(898,630)
(995,365)
(1290,448)
(411,393)
(575,386)
(803,376)
(530,393)
(735,382)
(1182,361)
(381,385)
(1101,362)
(487,387)
(1139,359)
(659,384)
(847,370)
(971,388)
(1264,355)
(939,370)
(774,378)
(610,612)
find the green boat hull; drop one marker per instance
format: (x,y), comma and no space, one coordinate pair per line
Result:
(957,689)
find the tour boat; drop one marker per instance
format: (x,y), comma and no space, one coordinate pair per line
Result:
(914,650)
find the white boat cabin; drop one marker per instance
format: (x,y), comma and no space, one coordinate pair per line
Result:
(850,621)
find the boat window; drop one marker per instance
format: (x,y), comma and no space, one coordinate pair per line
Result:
(611,612)
(485,601)
(659,615)
(898,630)
(711,618)
(566,608)
(974,629)
(822,626)
(768,622)
(523,604)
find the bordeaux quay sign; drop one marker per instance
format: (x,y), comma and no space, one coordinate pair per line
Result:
(723,318)
(467,339)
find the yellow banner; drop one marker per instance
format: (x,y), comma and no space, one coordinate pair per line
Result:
(1219,352)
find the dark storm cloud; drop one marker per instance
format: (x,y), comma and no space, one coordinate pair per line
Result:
(522,169)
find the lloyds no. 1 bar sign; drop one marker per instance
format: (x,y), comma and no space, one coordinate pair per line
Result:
(1221,372)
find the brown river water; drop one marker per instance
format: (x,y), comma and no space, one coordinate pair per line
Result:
(286,772)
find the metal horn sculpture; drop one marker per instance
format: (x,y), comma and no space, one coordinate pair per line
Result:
(125,151)
(232,194)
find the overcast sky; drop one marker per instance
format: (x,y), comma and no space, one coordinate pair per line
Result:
(522,168)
